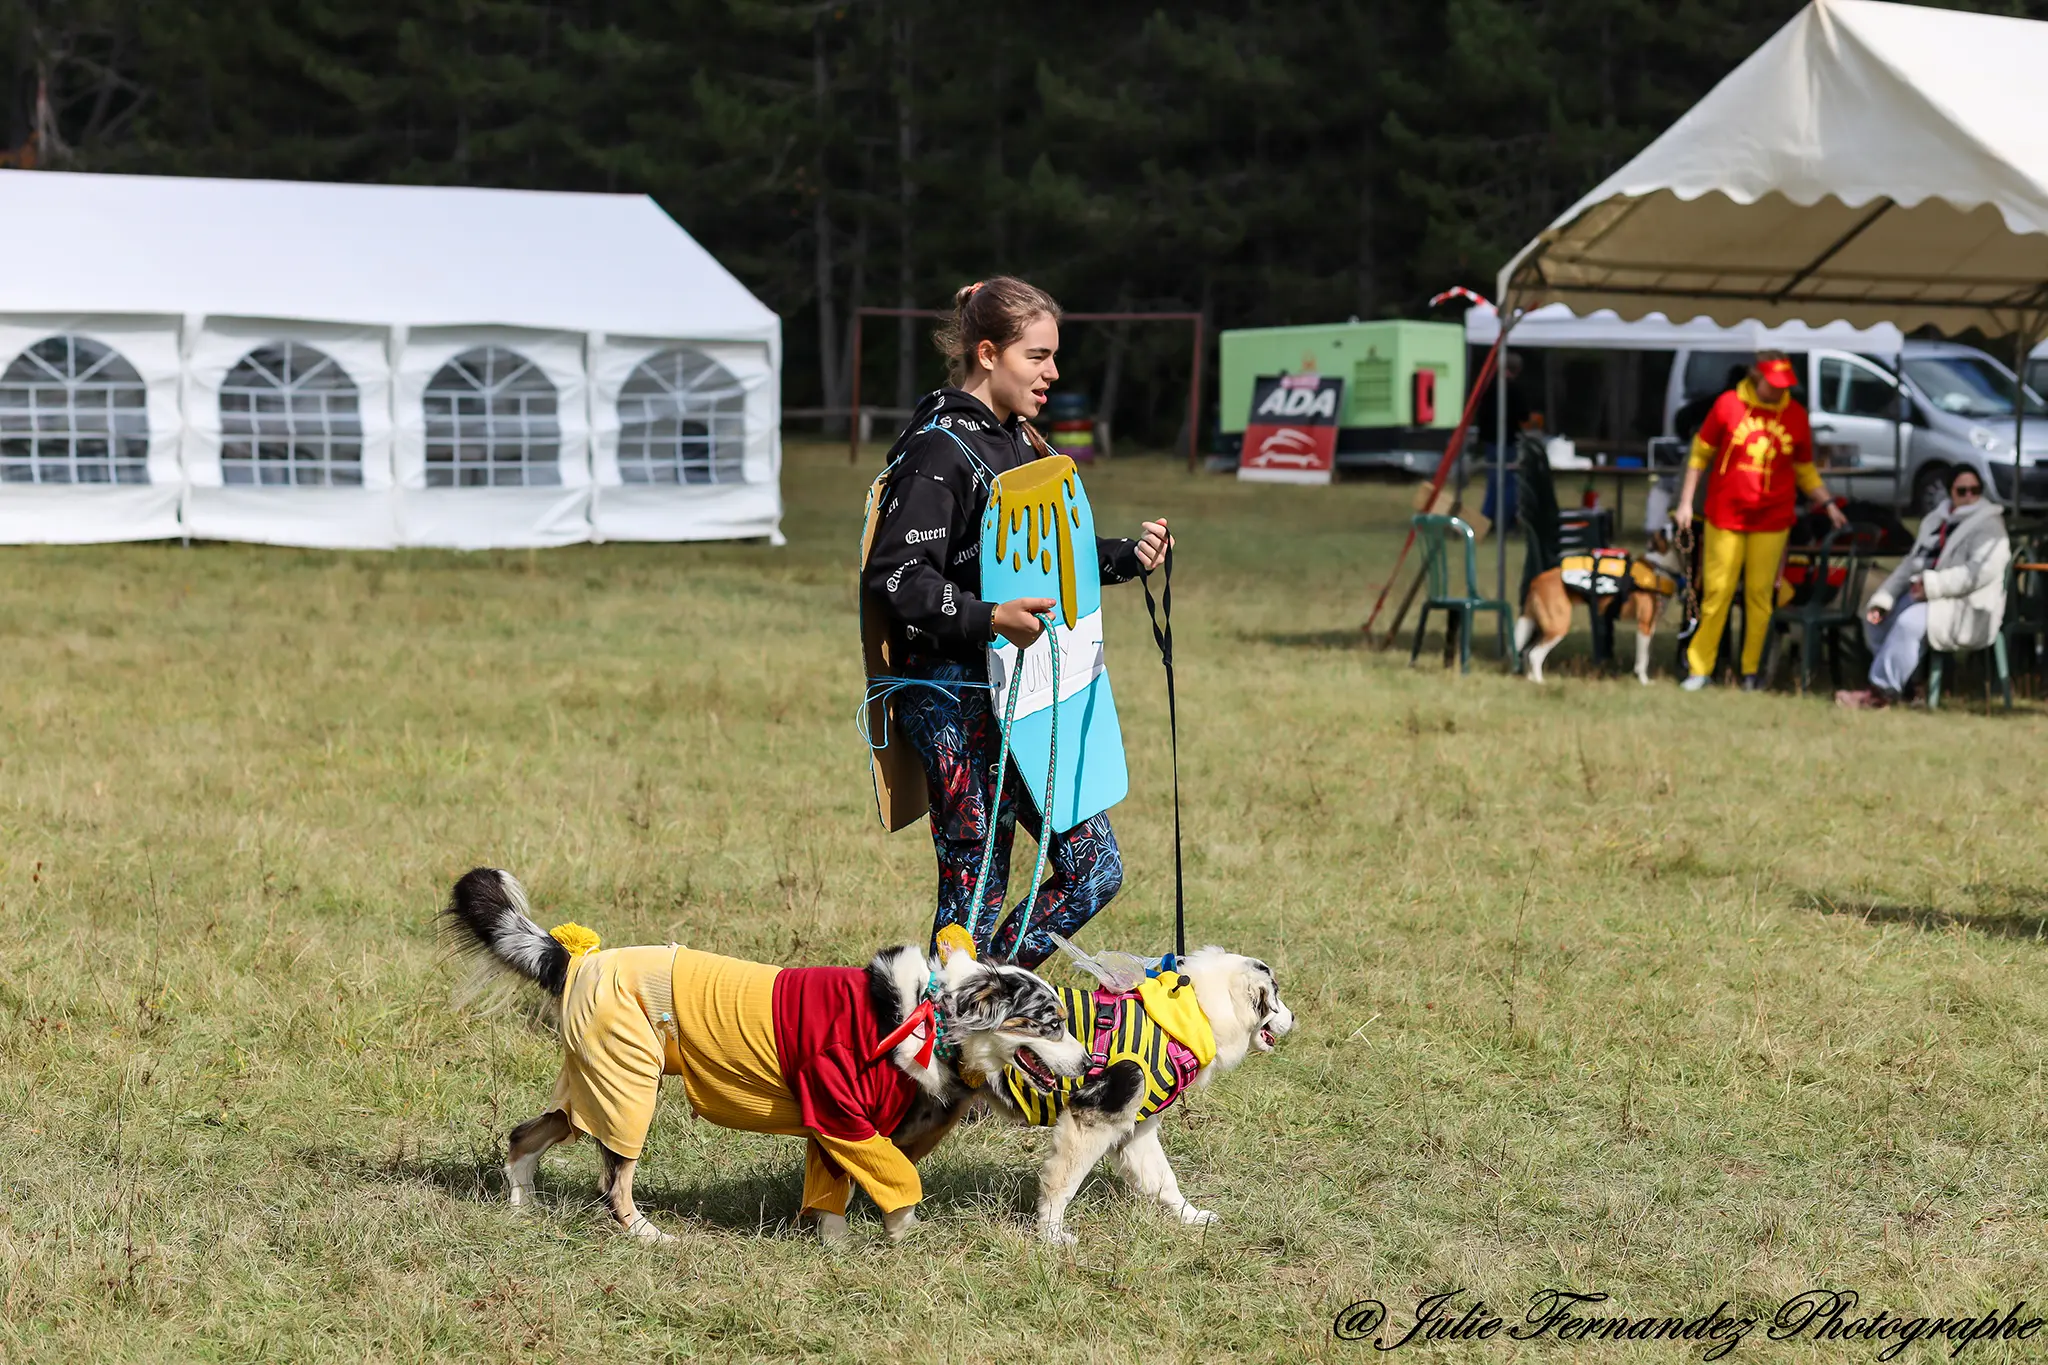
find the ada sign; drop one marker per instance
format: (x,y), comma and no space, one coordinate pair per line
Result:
(1292,435)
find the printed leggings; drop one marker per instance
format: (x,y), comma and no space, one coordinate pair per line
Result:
(957,734)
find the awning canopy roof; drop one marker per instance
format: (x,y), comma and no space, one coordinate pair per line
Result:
(1871,163)
(1555,325)
(383,254)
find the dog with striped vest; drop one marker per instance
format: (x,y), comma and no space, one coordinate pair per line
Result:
(1150,1041)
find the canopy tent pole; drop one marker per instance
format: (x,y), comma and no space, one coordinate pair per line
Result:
(2028,325)
(2019,414)
(1899,401)
(1509,315)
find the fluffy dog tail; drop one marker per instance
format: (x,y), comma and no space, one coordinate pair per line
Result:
(487,917)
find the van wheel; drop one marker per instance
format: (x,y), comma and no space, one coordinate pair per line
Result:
(1930,486)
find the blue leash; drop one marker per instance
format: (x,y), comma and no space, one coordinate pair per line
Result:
(881,689)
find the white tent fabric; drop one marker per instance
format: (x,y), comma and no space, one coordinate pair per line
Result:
(198,287)
(345,517)
(1871,163)
(103,496)
(1556,325)
(474,518)
(634,511)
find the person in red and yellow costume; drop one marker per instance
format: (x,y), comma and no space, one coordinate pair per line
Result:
(1757,449)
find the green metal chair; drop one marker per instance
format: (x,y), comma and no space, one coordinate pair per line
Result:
(1434,534)
(2026,603)
(1822,612)
(1937,661)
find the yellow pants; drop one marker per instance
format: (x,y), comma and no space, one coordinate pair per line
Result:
(1754,557)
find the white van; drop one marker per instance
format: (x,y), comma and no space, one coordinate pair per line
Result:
(1957,410)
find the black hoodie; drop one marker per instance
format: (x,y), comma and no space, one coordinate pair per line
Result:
(924,568)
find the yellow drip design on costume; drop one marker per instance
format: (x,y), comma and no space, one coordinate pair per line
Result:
(1033,503)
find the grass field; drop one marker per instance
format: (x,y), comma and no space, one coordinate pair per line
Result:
(1676,998)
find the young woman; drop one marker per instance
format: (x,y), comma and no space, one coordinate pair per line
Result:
(923,568)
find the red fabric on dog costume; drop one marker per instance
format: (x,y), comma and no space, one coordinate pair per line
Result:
(825,1028)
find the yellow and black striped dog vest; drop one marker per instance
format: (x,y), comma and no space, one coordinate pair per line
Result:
(1120,1029)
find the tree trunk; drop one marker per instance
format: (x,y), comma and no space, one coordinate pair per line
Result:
(906,192)
(1188,446)
(1610,393)
(1113,371)
(1367,294)
(832,376)
(856,296)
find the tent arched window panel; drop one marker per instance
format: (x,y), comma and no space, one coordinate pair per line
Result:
(290,416)
(73,410)
(682,420)
(491,422)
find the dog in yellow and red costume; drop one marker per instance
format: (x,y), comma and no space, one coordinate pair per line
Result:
(872,1066)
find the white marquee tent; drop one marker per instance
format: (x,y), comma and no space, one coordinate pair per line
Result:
(369,366)
(1870,163)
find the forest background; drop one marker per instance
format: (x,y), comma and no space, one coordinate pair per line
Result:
(1263,163)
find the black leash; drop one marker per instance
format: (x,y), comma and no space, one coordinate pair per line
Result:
(1164,639)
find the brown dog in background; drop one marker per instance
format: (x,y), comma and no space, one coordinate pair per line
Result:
(1645,583)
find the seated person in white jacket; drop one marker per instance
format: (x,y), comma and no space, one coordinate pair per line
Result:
(1948,594)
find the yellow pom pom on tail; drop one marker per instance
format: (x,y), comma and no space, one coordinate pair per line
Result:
(954,939)
(577,939)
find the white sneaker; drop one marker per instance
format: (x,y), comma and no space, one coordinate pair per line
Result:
(1694,683)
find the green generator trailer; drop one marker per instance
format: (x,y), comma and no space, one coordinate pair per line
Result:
(1404,385)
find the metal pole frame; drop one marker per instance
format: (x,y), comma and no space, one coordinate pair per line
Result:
(2030,323)
(1899,401)
(1508,315)
(2022,342)
(1194,368)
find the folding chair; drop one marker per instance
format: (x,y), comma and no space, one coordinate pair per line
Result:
(1827,599)
(1433,532)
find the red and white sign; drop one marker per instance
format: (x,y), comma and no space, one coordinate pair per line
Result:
(1292,434)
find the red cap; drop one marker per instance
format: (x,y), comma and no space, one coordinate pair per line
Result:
(1779,374)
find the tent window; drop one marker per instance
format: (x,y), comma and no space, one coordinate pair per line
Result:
(682,419)
(289,416)
(491,423)
(73,411)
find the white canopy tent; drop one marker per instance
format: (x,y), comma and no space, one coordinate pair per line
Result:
(1555,325)
(368,366)
(1870,163)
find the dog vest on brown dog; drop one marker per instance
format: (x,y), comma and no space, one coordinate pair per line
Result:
(1597,573)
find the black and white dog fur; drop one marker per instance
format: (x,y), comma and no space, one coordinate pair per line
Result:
(1242,1000)
(995,1014)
